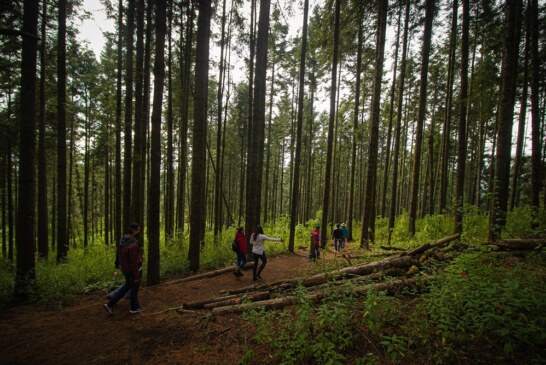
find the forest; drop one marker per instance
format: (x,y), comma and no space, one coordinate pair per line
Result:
(418,123)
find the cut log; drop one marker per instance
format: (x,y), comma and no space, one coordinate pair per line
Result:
(520,244)
(359,270)
(392,248)
(427,246)
(207,274)
(263,295)
(283,302)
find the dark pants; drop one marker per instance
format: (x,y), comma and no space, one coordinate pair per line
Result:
(255,270)
(131,285)
(241,260)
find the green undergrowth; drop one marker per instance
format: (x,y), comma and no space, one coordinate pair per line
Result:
(479,308)
(93,269)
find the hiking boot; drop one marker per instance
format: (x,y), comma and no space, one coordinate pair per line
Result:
(138,310)
(109,309)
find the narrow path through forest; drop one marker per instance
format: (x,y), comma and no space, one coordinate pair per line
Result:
(83,333)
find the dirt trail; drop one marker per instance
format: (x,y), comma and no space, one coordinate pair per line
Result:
(84,333)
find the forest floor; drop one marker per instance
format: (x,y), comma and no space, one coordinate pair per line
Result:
(82,332)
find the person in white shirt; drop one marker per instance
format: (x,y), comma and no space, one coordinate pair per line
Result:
(257,240)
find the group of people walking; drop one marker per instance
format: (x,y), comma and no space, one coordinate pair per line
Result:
(257,239)
(129,259)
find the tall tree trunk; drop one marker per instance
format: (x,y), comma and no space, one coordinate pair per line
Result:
(256,152)
(155,157)
(128,135)
(448,110)
(269,132)
(220,95)
(398,126)
(169,191)
(199,157)
(463,106)
(504,136)
(119,75)
(369,204)
(248,190)
(296,183)
(25,240)
(537,143)
(138,167)
(184,115)
(329,151)
(429,15)
(43,245)
(86,172)
(62,226)
(521,124)
(391,116)
(355,130)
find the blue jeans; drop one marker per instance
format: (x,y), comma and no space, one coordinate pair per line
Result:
(338,242)
(255,269)
(131,285)
(241,260)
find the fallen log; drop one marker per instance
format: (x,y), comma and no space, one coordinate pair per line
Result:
(207,274)
(359,270)
(427,246)
(263,295)
(520,244)
(283,302)
(392,248)
(279,284)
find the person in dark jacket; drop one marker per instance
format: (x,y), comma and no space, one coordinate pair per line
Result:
(337,236)
(241,250)
(130,260)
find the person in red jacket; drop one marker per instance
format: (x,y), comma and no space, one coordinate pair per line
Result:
(131,265)
(241,251)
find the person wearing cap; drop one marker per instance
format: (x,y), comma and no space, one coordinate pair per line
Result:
(345,234)
(315,243)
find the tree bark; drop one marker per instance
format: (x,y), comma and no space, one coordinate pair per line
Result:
(256,152)
(128,132)
(155,149)
(25,241)
(296,183)
(504,136)
(43,231)
(371,176)
(421,114)
(62,226)
(330,143)
(199,158)
(463,106)
(537,143)
(398,126)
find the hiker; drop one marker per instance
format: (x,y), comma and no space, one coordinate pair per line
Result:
(337,236)
(240,243)
(315,243)
(345,230)
(258,251)
(130,260)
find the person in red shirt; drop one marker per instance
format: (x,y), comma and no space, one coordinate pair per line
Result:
(241,251)
(130,259)
(315,243)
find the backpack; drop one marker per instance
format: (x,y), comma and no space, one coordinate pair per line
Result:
(235,246)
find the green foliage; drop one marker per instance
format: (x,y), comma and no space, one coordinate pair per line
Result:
(482,301)
(377,311)
(518,223)
(318,335)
